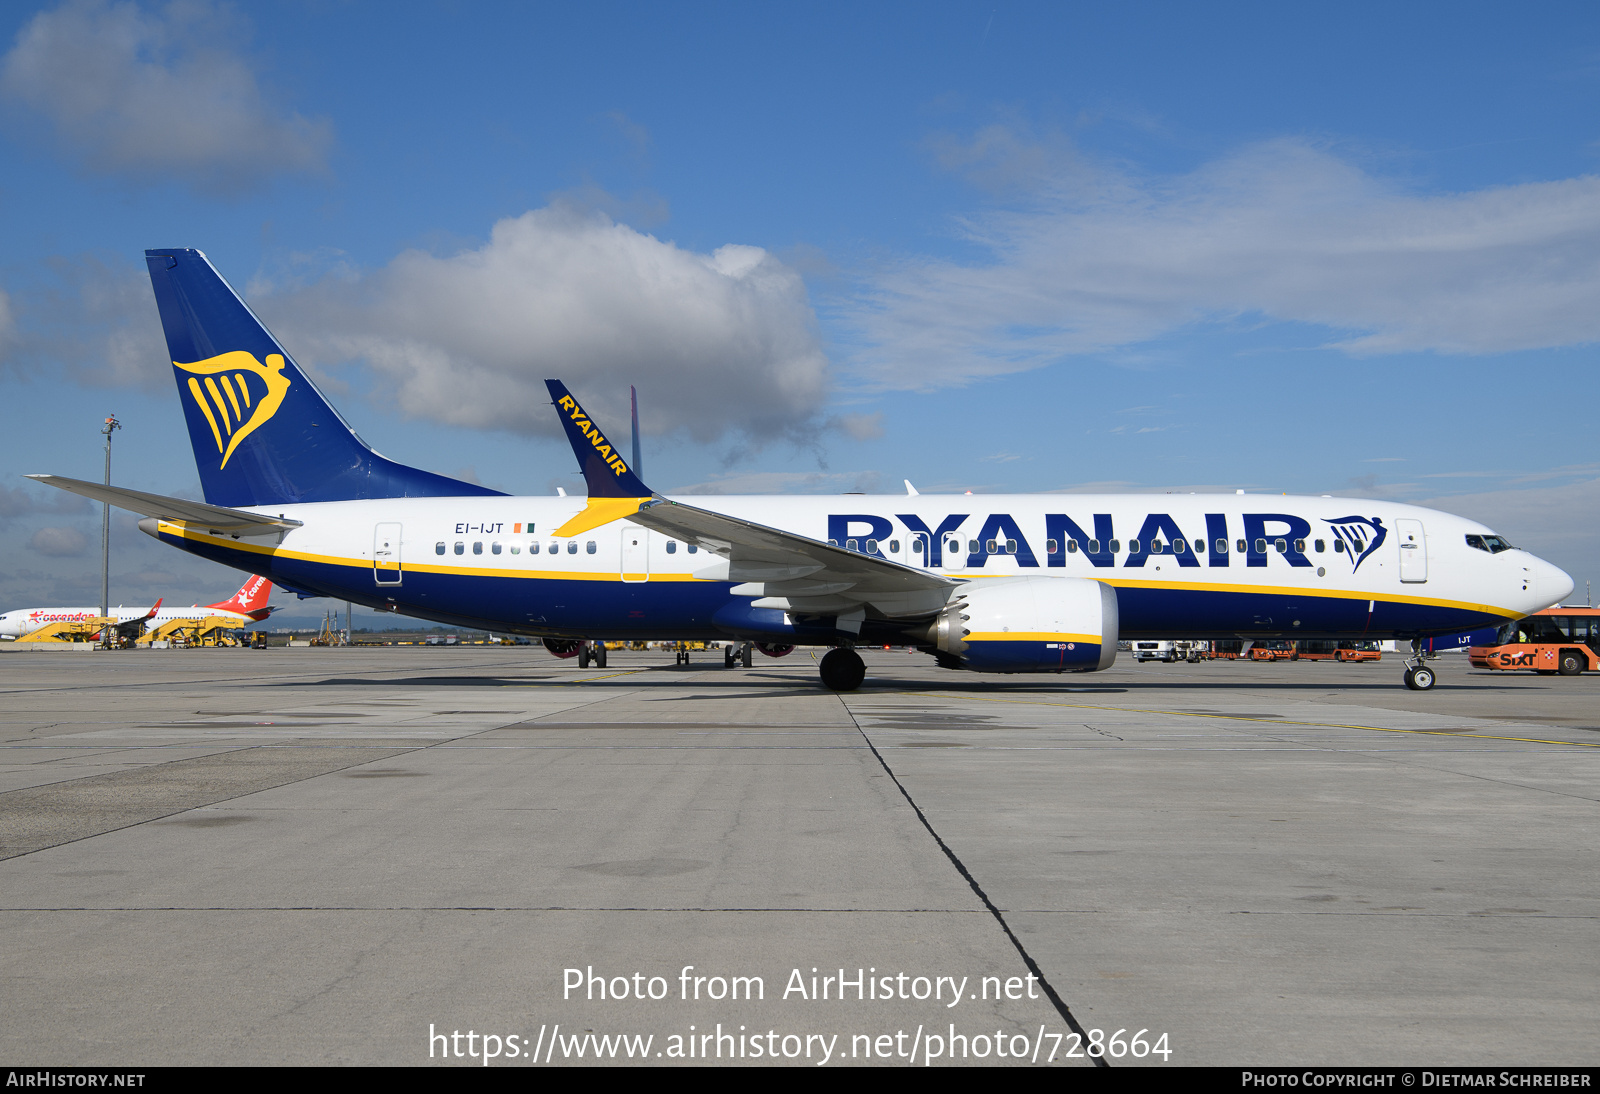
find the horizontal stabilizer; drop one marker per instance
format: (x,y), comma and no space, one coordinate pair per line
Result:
(211,518)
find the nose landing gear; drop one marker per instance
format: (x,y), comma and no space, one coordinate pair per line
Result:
(1419,677)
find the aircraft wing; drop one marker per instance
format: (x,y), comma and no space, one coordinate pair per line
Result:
(135,627)
(212,518)
(796,573)
(781,569)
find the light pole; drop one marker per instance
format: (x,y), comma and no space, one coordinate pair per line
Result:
(105,528)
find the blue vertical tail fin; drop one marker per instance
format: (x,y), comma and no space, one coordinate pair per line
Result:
(262,432)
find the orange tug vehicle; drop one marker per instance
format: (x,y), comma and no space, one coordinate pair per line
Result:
(1556,640)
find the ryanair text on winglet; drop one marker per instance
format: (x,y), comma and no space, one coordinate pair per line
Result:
(592,431)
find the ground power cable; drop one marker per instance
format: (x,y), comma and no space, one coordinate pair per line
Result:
(961,867)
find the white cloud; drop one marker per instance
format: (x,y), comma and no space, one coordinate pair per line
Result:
(1282,231)
(96,320)
(789,482)
(1557,523)
(25,501)
(157,94)
(58,542)
(715,342)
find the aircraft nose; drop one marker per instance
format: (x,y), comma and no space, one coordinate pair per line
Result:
(1554,583)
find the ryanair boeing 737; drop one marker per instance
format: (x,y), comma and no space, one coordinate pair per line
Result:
(995,583)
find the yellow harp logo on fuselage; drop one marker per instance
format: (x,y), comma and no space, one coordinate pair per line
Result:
(224,396)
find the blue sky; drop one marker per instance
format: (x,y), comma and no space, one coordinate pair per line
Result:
(1349,249)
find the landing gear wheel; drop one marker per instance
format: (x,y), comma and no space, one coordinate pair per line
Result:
(842,670)
(746,655)
(583,656)
(1419,678)
(729,655)
(599,655)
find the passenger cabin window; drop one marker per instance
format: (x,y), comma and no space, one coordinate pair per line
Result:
(872,546)
(1261,546)
(1222,546)
(1199,546)
(1338,546)
(1094,546)
(672,546)
(1072,546)
(1011,546)
(572,546)
(516,550)
(533,548)
(1321,546)
(989,547)
(1133,547)
(461,548)
(894,546)
(438,548)
(693,548)
(1157,547)
(589,547)
(1116,547)
(1300,545)
(849,545)
(1243,548)
(1050,546)
(494,548)
(477,548)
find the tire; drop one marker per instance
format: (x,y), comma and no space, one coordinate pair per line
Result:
(1420,678)
(728,653)
(842,670)
(1572,663)
(583,656)
(747,655)
(600,655)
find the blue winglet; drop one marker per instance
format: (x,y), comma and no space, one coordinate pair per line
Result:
(604,469)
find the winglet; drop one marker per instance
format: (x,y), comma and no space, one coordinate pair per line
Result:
(604,469)
(615,491)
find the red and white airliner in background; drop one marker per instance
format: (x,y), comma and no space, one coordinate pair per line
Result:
(248,605)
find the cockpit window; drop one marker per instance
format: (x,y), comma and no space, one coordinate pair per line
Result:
(1493,544)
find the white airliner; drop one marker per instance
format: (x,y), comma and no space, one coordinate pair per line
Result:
(996,583)
(248,605)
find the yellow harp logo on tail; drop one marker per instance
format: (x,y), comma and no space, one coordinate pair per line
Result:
(225,397)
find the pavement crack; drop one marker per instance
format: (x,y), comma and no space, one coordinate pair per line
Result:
(961,868)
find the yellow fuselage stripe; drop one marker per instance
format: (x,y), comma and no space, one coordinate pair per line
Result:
(178,528)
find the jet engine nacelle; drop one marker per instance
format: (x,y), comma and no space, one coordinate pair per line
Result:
(1030,624)
(564,647)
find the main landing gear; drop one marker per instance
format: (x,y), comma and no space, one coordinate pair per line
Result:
(842,669)
(592,652)
(1419,677)
(736,655)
